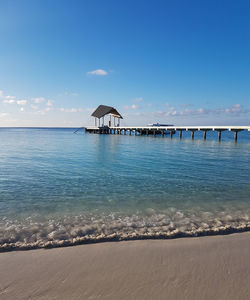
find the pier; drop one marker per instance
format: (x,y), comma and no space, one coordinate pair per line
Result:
(165,130)
(103,110)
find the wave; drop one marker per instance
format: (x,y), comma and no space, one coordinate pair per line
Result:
(90,228)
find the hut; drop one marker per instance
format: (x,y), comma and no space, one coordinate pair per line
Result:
(104,110)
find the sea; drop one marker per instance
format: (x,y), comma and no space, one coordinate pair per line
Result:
(60,188)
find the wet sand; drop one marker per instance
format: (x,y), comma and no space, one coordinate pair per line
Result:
(215,267)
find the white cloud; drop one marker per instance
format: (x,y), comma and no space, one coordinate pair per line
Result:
(235,109)
(70,110)
(11,101)
(22,109)
(90,109)
(138,99)
(98,72)
(67,93)
(40,112)
(133,106)
(185,104)
(21,102)
(38,100)
(1,93)
(49,103)
(2,115)
(34,106)
(9,97)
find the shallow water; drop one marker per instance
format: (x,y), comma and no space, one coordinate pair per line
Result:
(60,188)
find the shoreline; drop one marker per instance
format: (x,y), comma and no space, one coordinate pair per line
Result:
(86,240)
(211,267)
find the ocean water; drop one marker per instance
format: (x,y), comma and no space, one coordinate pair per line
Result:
(58,188)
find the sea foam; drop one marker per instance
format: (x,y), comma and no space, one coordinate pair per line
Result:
(33,232)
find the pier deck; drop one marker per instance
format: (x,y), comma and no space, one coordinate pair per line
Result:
(153,130)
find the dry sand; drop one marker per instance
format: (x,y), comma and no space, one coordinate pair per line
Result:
(215,267)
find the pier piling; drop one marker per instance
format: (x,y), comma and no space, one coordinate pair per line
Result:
(235,136)
(219,135)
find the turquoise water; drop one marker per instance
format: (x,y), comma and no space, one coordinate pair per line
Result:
(60,188)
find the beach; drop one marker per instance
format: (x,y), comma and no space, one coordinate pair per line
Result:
(215,267)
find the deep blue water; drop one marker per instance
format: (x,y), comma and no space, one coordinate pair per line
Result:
(60,188)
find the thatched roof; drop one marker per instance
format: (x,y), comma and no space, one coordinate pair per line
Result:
(103,110)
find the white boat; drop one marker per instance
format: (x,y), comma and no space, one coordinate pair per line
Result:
(159,125)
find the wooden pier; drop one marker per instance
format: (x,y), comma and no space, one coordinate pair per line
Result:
(166,130)
(104,110)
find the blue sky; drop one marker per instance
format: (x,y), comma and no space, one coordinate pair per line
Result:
(181,62)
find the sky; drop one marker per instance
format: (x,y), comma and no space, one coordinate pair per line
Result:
(178,62)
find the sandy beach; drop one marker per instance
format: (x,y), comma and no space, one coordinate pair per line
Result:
(216,267)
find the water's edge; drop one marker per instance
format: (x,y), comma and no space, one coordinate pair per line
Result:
(223,230)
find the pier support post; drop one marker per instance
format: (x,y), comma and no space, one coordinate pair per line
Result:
(204,135)
(140,132)
(162,132)
(180,133)
(219,130)
(154,132)
(219,135)
(236,133)
(146,132)
(171,134)
(130,132)
(235,136)
(192,134)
